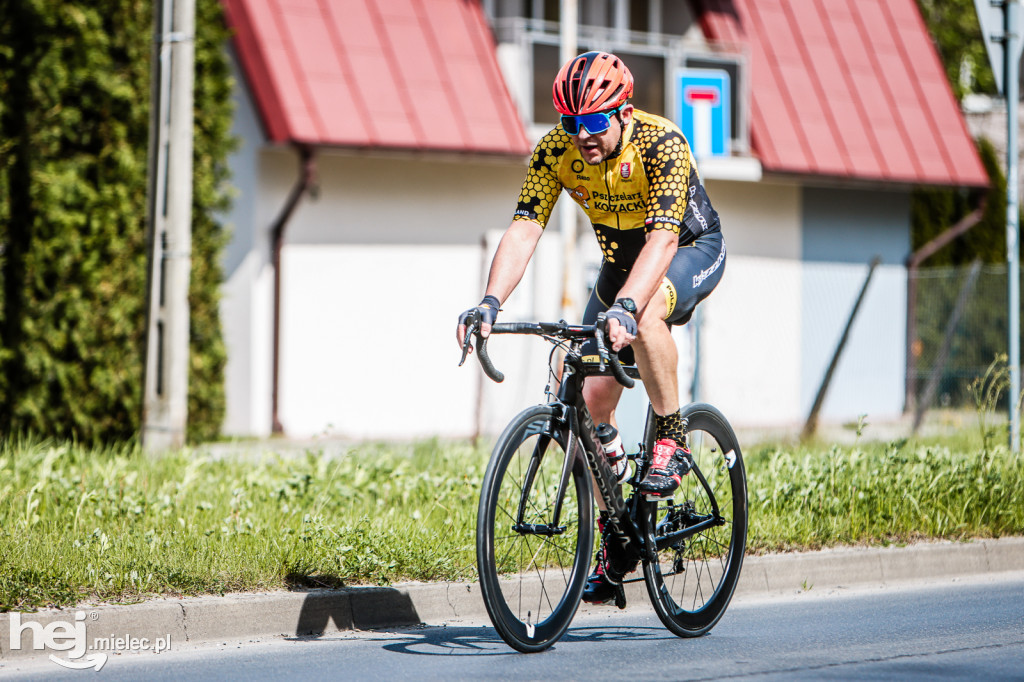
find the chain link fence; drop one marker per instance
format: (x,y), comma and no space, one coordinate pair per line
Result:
(959,327)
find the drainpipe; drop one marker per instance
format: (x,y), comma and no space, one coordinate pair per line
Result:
(304,185)
(913,263)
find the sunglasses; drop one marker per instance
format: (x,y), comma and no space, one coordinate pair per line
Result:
(594,123)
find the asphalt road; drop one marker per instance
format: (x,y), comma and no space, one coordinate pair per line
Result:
(966,629)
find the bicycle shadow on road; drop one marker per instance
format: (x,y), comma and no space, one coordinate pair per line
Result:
(484,641)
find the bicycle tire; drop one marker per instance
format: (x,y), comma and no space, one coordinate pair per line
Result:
(532,584)
(691,582)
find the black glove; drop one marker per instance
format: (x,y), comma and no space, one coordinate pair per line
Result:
(488,311)
(618,313)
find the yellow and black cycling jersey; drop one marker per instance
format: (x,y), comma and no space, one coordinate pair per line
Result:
(651,184)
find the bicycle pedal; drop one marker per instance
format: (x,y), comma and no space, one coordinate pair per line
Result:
(620,597)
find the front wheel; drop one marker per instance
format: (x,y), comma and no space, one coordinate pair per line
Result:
(690,575)
(532,565)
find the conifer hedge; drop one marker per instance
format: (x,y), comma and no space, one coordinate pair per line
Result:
(74,118)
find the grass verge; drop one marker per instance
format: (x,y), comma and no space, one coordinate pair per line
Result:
(115,525)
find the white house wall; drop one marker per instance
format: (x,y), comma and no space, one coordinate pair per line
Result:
(759,219)
(843,230)
(375,272)
(248,278)
(869,378)
(750,347)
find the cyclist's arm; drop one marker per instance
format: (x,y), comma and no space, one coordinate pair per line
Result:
(510,260)
(537,197)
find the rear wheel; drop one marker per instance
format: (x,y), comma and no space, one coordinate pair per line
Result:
(691,577)
(532,568)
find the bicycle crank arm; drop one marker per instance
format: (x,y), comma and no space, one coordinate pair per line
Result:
(538,529)
(671,539)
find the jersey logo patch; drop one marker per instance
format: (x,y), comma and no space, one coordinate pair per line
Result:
(581,195)
(625,169)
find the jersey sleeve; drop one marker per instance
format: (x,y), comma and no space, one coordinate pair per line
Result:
(542,186)
(667,164)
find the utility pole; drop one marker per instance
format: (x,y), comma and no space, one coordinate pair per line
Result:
(1001,28)
(169,228)
(566,208)
(1012,61)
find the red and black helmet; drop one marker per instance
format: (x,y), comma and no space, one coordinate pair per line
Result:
(592,82)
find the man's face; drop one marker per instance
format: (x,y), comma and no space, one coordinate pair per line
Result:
(594,148)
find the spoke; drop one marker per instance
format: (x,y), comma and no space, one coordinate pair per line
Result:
(543,596)
(508,562)
(504,510)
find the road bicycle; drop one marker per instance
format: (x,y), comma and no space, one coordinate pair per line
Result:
(535,522)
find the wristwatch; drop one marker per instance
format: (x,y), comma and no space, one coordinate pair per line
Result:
(628,304)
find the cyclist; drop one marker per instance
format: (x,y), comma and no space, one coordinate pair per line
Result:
(634,176)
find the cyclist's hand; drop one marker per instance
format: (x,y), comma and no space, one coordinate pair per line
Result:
(621,327)
(488,310)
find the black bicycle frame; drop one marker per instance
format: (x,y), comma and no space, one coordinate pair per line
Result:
(572,415)
(578,426)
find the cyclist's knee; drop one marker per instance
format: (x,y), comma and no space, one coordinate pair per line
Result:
(655,312)
(602,395)
(651,324)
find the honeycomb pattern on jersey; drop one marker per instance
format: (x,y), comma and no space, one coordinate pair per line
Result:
(619,247)
(541,187)
(667,159)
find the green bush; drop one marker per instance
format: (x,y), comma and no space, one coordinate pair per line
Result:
(74,119)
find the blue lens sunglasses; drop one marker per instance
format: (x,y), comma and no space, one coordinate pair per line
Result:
(594,123)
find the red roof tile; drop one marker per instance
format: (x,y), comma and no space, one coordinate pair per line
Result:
(848,88)
(401,74)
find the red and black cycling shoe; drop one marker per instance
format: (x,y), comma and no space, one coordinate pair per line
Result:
(602,583)
(670,463)
(604,586)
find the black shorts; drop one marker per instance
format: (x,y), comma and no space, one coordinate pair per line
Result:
(694,273)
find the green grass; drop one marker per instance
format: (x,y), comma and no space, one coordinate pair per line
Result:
(83,524)
(881,493)
(115,525)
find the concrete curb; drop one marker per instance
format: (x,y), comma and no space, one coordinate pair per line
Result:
(244,617)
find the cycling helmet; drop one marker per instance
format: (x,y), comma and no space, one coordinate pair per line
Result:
(592,82)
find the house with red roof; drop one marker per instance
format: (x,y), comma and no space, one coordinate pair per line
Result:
(383,143)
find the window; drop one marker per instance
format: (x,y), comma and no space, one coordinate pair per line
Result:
(648,81)
(552,10)
(648,76)
(640,15)
(545,68)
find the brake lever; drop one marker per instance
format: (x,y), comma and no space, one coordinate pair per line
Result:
(599,331)
(472,323)
(603,353)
